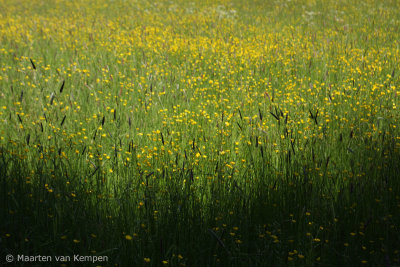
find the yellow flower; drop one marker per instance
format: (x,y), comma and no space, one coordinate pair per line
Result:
(128,237)
(147,259)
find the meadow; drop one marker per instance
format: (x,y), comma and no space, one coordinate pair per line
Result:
(200,133)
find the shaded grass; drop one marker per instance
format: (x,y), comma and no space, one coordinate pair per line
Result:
(278,218)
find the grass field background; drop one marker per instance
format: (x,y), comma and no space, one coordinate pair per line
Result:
(201,133)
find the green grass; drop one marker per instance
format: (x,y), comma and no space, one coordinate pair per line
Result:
(200,133)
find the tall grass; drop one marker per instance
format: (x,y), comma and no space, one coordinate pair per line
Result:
(200,133)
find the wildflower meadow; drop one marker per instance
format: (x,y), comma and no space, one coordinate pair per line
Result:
(199,133)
